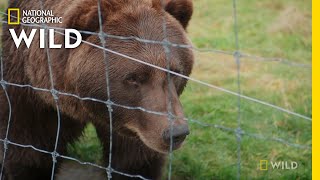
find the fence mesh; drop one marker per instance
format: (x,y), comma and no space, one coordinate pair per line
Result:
(166,44)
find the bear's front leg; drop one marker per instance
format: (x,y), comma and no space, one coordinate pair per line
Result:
(18,172)
(130,156)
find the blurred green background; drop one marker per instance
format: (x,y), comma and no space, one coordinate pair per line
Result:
(267,28)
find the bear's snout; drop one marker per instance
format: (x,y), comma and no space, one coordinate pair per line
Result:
(178,134)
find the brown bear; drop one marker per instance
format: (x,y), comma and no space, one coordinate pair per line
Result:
(140,140)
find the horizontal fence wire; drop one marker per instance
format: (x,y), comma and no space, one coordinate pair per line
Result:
(186,77)
(203,124)
(109,103)
(203,50)
(7,142)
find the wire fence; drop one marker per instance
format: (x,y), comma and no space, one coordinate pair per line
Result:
(109,103)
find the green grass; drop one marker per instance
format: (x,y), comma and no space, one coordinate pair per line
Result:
(268,28)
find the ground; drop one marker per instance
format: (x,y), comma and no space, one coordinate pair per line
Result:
(267,28)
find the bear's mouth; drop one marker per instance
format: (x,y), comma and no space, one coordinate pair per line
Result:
(176,137)
(176,142)
(171,138)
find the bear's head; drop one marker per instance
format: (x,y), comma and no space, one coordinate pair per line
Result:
(131,84)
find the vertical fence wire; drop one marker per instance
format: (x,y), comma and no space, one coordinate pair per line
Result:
(1,83)
(54,94)
(169,98)
(237,56)
(109,102)
(5,142)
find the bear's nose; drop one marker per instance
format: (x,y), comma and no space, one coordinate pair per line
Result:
(179,133)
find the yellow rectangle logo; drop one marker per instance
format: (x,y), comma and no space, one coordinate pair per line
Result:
(263,165)
(10,10)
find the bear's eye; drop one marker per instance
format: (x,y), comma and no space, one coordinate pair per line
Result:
(176,71)
(132,79)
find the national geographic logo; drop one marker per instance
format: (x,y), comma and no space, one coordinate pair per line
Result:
(40,17)
(280,165)
(15,15)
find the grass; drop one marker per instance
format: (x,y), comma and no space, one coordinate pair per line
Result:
(268,28)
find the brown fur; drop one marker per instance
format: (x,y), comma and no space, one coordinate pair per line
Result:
(75,171)
(138,147)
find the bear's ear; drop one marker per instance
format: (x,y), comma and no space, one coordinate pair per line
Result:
(180,9)
(85,18)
